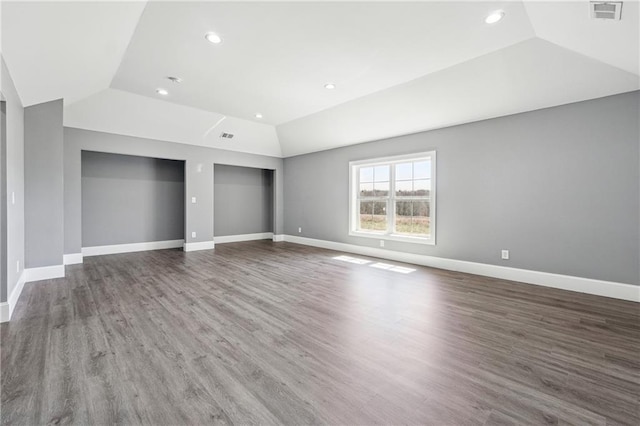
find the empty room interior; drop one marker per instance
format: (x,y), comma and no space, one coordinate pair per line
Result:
(340,213)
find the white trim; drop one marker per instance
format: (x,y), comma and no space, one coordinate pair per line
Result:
(5,312)
(129,248)
(203,245)
(393,237)
(243,237)
(278,238)
(354,170)
(6,308)
(565,282)
(43,273)
(72,258)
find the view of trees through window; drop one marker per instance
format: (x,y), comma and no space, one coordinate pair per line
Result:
(395,198)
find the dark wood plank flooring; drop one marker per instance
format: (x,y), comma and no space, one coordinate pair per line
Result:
(278,333)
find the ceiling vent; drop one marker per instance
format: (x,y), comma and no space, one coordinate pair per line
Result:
(606,10)
(226,135)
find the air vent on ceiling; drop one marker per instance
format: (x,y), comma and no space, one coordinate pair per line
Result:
(605,10)
(226,135)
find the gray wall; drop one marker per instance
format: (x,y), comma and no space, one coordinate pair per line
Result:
(198,178)
(558,187)
(129,199)
(43,180)
(3,194)
(242,200)
(14,163)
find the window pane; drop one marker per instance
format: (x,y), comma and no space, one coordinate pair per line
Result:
(412,217)
(366,189)
(403,171)
(422,187)
(403,217)
(381,174)
(380,216)
(373,216)
(381,189)
(404,188)
(422,170)
(366,212)
(366,174)
(366,208)
(421,218)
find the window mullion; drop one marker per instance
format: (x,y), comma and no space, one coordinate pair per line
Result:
(391,204)
(415,207)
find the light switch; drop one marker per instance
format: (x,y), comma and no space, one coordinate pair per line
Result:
(193,200)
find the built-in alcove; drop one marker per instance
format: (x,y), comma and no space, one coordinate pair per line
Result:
(129,199)
(243,200)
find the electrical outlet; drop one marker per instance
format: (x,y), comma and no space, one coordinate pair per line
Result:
(193,200)
(381,243)
(299,230)
(193,234)
(505,254)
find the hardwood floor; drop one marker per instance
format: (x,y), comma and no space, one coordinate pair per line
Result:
(278,333)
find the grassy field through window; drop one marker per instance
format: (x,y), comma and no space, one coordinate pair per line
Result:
(373,222)
(417,225)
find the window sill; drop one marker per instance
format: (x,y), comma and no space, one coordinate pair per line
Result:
(394,237)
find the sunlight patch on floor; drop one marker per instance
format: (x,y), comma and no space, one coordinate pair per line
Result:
(379,265)
(394,268)
(352,260)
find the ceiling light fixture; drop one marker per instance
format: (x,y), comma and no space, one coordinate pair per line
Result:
(494,17)
(329,86)
(174,79)
(258,115)
(161,91)
(213,38)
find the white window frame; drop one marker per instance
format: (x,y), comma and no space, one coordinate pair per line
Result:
(354,208)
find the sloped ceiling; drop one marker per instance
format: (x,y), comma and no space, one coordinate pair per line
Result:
(398,67)
(169,122)
(530,75)
(65,50)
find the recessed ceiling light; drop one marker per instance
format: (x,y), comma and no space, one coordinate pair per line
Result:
(494,17)
(329,86)
(161,91)
(258,115)
(174,79)
(213,38)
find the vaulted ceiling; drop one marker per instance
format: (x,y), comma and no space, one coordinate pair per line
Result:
(397,67)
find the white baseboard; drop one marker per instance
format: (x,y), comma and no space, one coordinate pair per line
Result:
(278,238)
(72,258)
(565,282)
(43,273)
(130,248)
(28,275)
(243,237)
(5,312)
(203,245)
(6,308)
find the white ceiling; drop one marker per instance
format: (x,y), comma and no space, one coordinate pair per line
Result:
(156,119)
(530,75)
(65,50)
(276,57)
(399,67)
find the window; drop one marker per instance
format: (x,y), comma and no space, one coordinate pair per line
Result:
(394,198)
